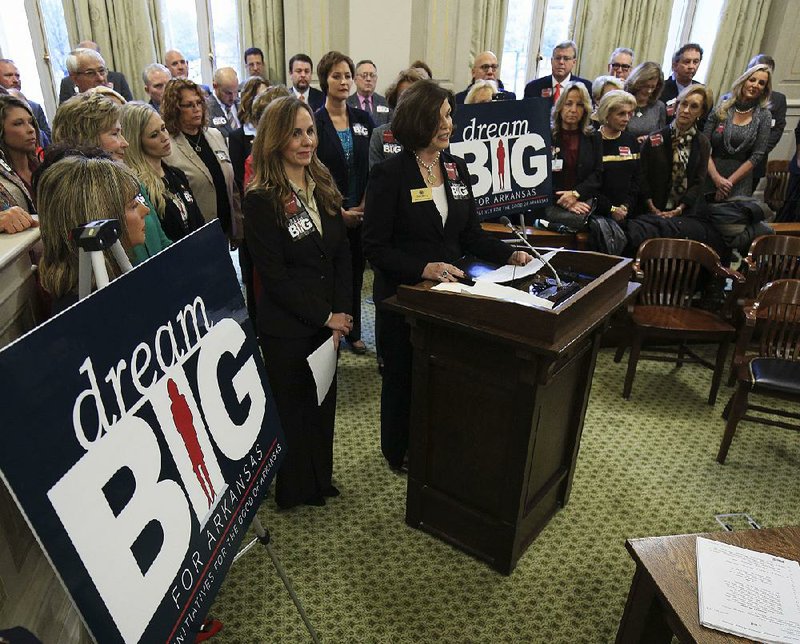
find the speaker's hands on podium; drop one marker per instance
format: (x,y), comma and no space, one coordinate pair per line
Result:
(441,272)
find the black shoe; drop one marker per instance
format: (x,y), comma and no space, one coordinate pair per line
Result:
(358,347)
(399,468)
(331,491)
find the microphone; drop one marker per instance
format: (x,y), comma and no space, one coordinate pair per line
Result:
(507,222)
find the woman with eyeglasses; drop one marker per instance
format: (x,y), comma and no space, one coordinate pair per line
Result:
(19,139)
(344,132)
(202,154)
(645,84)
(94,120)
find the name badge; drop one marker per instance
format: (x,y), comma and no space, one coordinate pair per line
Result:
(547,92)
(382,109)
(459,190)
(360,130)
(300,226)
(671,105)
(451,170)
(5,165)
(558,165)
(773,123)
(656,139)
(421,194)
(392,148)
(624,151)
(219,120)
(222,155)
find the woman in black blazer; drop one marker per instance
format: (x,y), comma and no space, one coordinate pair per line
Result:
(420,218)
(296,236)
(577,161)
(344,134)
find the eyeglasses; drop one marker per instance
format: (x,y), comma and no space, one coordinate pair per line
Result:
(487,67)
(367,75)
(621,66)
(563,59)
(191,106)
(100,71)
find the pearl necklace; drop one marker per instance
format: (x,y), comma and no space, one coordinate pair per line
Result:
(747,111)
(606,137)
(431,179)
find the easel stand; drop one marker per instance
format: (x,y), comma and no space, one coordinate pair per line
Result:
(94,238)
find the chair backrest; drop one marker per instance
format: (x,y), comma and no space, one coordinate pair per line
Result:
(669,270)
(777,184)
(777,313)
(771,257)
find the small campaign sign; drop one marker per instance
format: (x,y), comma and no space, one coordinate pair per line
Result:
(139,437)
(506,145)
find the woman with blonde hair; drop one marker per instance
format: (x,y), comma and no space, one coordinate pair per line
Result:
(19,140)
(166,188)
(577,161)
(739,133)
(645,84)
(481,91)
(296,235)
(72,192)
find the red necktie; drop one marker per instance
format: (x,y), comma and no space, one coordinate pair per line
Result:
(557,92)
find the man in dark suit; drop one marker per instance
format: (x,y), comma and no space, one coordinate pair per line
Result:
(11,80)
(155,77)
(485,68)
(300,70)
(256,67)
(85,73)
(565,54)
(223,103)
(365,97)
(685,63)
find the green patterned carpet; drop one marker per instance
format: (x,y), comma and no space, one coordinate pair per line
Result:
(646,467)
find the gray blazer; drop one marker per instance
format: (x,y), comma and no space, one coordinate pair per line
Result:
(217,118)
(185,158)
(380,110)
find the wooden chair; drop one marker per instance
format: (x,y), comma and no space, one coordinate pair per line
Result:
(669,270)
(777,184)
(775,369)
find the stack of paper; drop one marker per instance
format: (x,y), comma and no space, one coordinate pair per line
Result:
(748,593)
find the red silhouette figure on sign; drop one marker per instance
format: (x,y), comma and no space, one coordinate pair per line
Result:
(501,164)
(182,416)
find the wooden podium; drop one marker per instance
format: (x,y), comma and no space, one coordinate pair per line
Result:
(498,400)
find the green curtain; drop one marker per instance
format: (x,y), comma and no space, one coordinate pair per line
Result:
(600,26)
(128,34)
(488,27)
(261,25)
(741,29)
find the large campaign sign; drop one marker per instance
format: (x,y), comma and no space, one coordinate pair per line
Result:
(506,145)
(139,435)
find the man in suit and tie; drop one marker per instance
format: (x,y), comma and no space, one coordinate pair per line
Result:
(81,79)
(562,62)
(365,97)
(300,70)
(11,80)
(223,102)
(155,77)
(485,67)
(685,63)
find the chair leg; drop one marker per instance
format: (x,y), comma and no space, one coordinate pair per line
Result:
(719,367)
(679,361)
(620,350)
(738,408)
(633,360)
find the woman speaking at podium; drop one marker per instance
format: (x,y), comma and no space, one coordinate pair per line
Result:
(297,239)
(419,219)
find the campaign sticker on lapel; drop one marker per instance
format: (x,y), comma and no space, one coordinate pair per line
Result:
(219,120)
(772,123)
(547,92)
(5,165)
(624,151)
(452,171)
(382,109)
(188,196)
(421,194)
(292,206)
(720,128)
(656,139)
(300,226)
(222,155)
(388,136)
(557,165)
(459,190)
(392,148)
(360,129)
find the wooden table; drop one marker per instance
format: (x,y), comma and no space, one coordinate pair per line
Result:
(663,596)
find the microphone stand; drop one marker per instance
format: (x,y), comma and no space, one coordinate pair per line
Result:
(537,254)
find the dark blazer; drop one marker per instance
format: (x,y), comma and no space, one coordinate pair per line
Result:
(777,105)
(331,153)
(316,98)
(400,237)
(502,93)
(302,281)
(668,95)
(379,116)
(215,113)
(589,174)
(44,126)
(240,146)
(120,85)
(655,181)
(535,88)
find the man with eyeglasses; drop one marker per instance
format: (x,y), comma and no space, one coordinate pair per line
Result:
(87,69)
(365,97)
(620,63)
(10,80)
(562,62)
(485,67)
